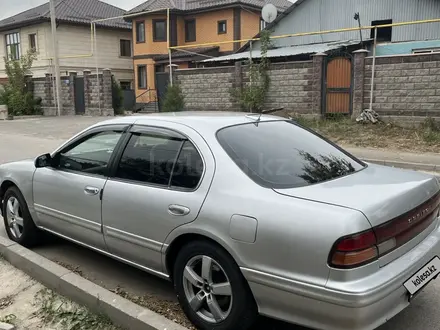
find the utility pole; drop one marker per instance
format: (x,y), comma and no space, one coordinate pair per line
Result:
(55,56)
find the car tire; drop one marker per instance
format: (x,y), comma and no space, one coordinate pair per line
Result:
(237,311)
(19,224)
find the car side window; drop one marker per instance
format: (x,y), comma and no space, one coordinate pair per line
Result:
(91,155)
(188,169)
(149,158)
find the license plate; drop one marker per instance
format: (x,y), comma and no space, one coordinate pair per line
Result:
(423,276)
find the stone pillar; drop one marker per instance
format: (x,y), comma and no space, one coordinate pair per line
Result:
(69,96)
(29,84)
(358,81)
(48,102)
(318,78)
(107,97)
(87,91)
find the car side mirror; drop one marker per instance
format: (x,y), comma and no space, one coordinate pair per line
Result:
(43,161)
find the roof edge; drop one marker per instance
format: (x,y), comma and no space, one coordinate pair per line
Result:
(132,15)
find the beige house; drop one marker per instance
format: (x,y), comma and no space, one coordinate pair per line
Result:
(32,30)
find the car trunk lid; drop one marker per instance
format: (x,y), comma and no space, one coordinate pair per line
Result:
(397,203)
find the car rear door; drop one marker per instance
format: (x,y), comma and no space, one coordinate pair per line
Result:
(159,183)
(67,195)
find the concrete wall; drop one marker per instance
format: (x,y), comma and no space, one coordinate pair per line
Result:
(207,89)
(292,87)
(97,94)
(404,85)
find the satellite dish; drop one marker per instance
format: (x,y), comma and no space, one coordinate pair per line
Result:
(269,13)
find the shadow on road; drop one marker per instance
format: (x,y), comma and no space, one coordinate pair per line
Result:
(112,274)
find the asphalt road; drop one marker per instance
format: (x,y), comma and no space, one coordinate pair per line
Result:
(28,138)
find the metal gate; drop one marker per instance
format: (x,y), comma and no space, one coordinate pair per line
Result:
(338,85)
(162,81)
(129,99)
(80,104)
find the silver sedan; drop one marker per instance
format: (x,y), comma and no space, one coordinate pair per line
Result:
(246,214)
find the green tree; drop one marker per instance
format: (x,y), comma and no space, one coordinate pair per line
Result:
(252,95)
(15,93)
(174,100)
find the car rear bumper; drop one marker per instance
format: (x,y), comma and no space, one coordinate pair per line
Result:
(362,305)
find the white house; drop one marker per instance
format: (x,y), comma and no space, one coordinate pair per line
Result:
(32,30)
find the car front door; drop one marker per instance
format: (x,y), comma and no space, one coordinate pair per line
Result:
(67,194)
(159,184)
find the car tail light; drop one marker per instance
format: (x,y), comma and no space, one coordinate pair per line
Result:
(362,248)
(354,250)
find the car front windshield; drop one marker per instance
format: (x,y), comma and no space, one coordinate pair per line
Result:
(281,154)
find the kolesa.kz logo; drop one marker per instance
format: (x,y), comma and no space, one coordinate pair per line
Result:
(421,278)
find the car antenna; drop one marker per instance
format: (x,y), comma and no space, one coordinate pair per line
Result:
(263,112)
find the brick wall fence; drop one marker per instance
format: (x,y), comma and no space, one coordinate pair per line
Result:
(98,97)
(208,88)
(293,86)
(406,88)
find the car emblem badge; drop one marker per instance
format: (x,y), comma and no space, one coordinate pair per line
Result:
(418,215)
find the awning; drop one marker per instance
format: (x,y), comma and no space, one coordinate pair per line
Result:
(287,51)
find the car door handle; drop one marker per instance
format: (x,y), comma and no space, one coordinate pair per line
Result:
(91,190)
(178,210)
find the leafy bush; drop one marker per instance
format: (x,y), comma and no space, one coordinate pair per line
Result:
(117,97)
(252,96)
(15,93)
(174,100)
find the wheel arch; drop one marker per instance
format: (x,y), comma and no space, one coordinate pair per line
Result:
(6,184)
(170,252)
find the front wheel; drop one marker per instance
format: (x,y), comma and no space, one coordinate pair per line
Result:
(18,222)
(211,289)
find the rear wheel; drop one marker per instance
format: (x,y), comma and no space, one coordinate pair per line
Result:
(211,289)
(18,222)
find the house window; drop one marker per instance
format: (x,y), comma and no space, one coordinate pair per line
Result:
(140,32)
(125,85)
(190,30)
(221,27)
(142,76)
(33,42)
(383,34)
(159,30)
(263,24)
(13,46)
(125,48)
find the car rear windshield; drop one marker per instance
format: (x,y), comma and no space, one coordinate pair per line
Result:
(281,154)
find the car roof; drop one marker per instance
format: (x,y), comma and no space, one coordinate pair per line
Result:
(198,120)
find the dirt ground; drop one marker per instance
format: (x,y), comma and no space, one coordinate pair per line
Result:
(28,305)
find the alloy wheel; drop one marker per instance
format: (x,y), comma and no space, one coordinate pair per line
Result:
(207,289)
(14,217)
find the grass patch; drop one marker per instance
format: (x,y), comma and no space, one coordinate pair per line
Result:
(57,310)
(9,319)
(345,131)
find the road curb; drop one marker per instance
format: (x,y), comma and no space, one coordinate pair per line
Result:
(405,165)
(6,326)
(84,292)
